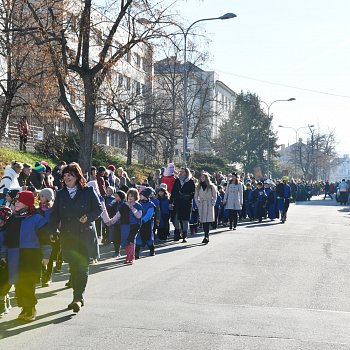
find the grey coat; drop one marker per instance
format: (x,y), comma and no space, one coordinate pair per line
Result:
(233,198)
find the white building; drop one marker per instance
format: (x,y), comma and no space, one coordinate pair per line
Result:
(209,100)
(340,169)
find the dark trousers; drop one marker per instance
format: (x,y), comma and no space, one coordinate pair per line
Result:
(233,217)
(206,227)
(79,272)
(56,255)
(215,223)
(23,142)
(25,292)
(329,194)
(5,286)
(116,239)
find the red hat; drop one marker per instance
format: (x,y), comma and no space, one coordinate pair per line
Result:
(26,197)
(111,167)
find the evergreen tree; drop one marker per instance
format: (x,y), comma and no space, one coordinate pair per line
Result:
(244,135)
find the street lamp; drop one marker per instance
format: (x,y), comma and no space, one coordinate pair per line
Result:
(185,33)
(296,141)
(269,126)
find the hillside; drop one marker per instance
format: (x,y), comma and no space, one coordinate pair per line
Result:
(7,155)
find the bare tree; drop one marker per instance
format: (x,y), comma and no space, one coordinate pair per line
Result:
(18,70)
(316,156)
(84,45)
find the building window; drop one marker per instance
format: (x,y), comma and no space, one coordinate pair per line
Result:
(138,117)
(138,88)
(128,83)
(120,80)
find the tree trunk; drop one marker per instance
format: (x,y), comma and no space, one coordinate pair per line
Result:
(87,132)
(129,150)
(5,115)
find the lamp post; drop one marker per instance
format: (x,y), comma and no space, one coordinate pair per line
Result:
(296,141)
(269,126)
(185,33)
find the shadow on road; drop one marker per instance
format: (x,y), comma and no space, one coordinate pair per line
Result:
(15,327)
(319,201)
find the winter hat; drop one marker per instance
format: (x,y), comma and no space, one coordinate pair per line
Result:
(121,194)
(48,193)
(5,213)
(38,167)
(111,168)
(44,163)
(147,192)
(26,197)
(169,171)
(163,187)
(111,188)
(285,178)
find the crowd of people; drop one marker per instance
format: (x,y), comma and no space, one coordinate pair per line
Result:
(50,216)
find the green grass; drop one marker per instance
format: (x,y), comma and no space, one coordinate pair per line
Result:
(7,155)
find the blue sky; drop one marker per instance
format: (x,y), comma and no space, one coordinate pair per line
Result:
(299,43)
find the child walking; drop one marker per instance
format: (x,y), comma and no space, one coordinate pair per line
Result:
(164,204)
(129,216)
(25,250)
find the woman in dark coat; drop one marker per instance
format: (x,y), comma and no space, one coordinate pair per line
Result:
(181,199)
(75,209)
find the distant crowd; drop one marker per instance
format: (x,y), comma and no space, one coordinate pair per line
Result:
(50,216)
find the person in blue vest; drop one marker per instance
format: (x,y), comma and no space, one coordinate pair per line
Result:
(114,230)
(217,208)
(26,248)
(146,234)
(260,200)
(156,220)
(129,215)
(164,204)
(75,210)
(46,200)
(248,197)
(271,200)
(283,193)
(5,286)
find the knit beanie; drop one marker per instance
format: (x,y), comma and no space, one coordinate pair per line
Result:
(163,186)
(48,193)
(26,197)
(147,192)
(38,167)
(111,168)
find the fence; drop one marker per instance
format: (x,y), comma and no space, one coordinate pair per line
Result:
(11,139)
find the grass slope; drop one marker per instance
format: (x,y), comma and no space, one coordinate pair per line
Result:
(7,155)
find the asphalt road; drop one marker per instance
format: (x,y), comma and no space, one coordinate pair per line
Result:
(264,286)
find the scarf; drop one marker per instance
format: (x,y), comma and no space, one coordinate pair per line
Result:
(204,186)
(72,191)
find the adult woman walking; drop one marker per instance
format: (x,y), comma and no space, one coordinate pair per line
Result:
(233,199)
(75,209)
(181,199)
(205,198)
